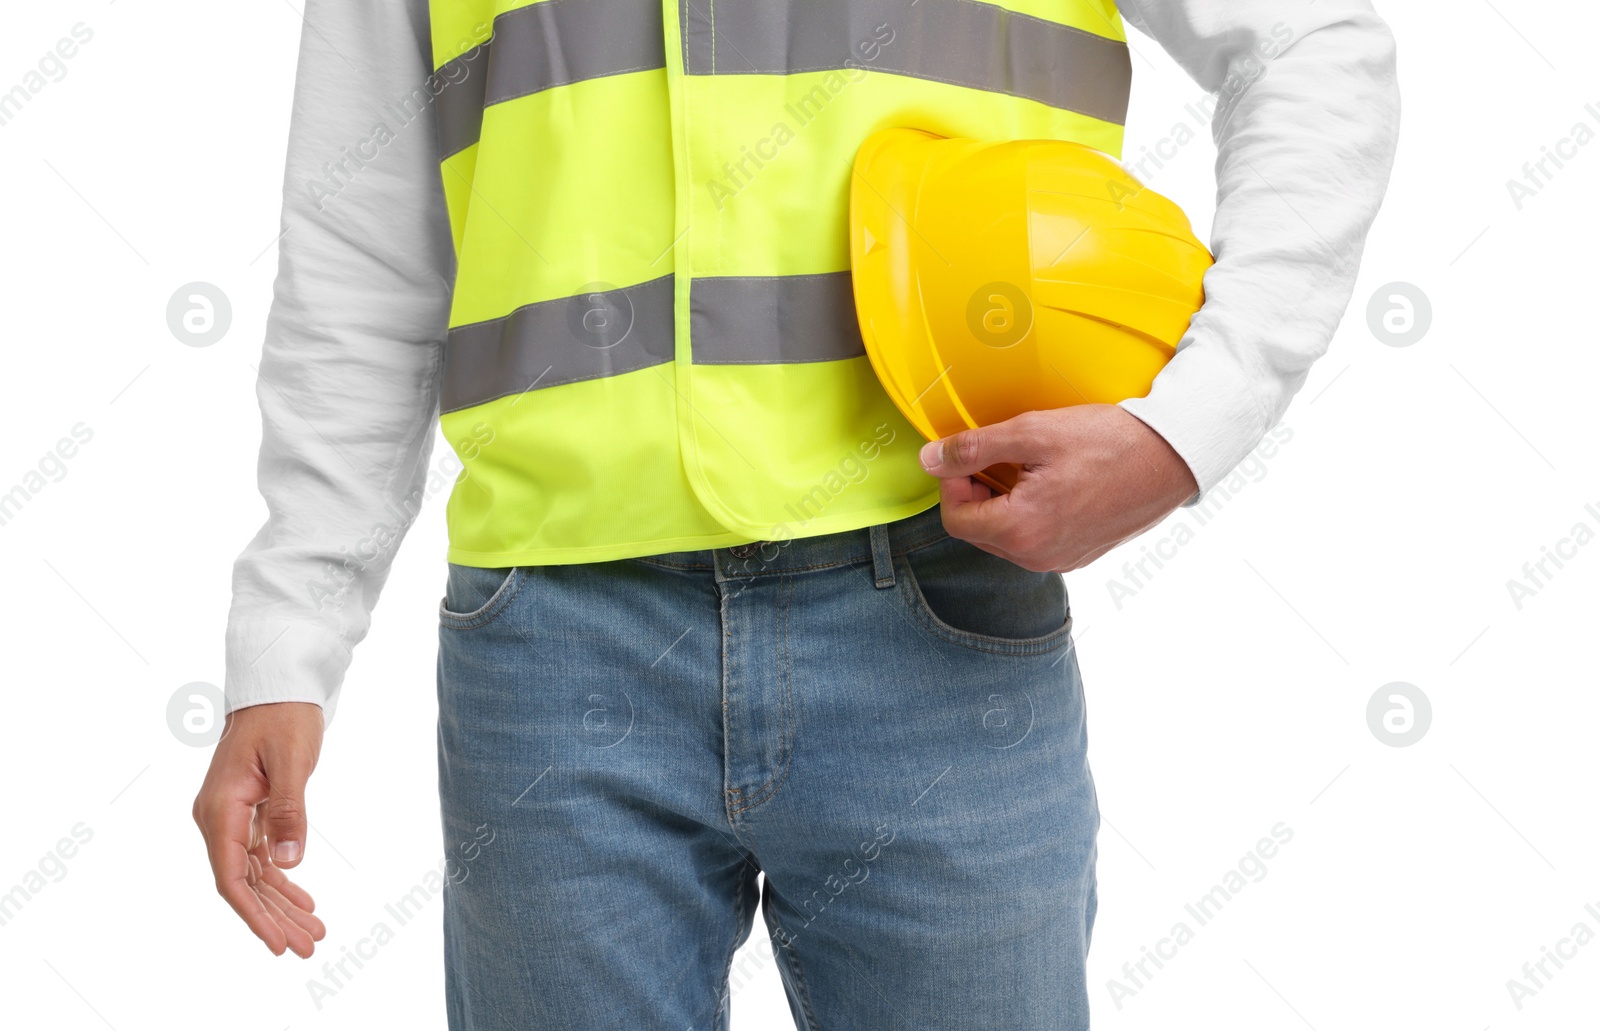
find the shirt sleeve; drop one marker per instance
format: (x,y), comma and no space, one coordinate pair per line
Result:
(348,377)
(1305,126)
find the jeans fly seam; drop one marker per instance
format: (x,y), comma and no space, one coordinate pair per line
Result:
(729,792)
(785,704)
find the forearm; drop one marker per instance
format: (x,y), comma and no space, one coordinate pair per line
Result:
(349,367)
(1305,139)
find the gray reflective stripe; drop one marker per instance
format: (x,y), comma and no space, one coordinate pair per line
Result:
(606,331)
(554,43)
(956,41)
(602,331)
(461,100)
(770,320)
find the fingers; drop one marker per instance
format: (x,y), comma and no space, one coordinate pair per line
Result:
(300,940)
(974,513)
(252,806)
(996,523)
(254,889)
(274,886)
(964,490)
(1017,441)
(227,832)
(302,919)
(277,879)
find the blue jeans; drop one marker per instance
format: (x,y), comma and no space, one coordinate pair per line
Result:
(888,723)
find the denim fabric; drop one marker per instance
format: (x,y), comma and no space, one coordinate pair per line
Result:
(895,738)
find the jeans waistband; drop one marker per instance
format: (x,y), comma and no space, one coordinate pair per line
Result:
(867,544)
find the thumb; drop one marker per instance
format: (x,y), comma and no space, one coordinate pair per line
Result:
(285,809)
(972,451)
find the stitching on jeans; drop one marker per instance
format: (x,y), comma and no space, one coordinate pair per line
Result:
(797,970)
(491,610)
(933,535)
(724,996)
(1024,647)
(799,973)
(1028,649)
(650,561)
(940,534)
(730,794)
(799,569)
(916,542)
(773,783)
(776,780)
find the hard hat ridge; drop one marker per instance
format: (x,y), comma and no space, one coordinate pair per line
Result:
(993,278)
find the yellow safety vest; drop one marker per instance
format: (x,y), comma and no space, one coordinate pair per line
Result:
(653,344)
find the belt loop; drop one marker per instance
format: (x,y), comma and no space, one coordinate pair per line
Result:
(882,557)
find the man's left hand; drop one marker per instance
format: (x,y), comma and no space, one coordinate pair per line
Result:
(1092,476)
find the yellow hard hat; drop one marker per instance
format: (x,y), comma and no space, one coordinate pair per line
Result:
(994,278)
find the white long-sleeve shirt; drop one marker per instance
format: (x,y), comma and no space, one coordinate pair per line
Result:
(1305,131)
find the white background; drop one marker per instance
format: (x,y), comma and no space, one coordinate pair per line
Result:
(1227,695)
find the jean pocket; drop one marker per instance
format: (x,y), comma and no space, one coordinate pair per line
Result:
(964,595)
(475,595)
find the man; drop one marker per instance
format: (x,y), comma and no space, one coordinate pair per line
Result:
(710,612)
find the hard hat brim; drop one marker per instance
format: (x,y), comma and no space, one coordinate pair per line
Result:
(884,183)
(995,277)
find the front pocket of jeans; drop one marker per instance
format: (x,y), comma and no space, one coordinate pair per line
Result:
(486,591)
(964,595)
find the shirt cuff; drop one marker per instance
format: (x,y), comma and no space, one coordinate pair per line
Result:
(1202,405)
(280,660)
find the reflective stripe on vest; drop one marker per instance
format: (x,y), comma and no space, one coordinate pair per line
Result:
(551,44)
(735,320)
(984,46)
(545,45)
(700,156)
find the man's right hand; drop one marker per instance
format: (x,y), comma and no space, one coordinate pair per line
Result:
(251,811)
